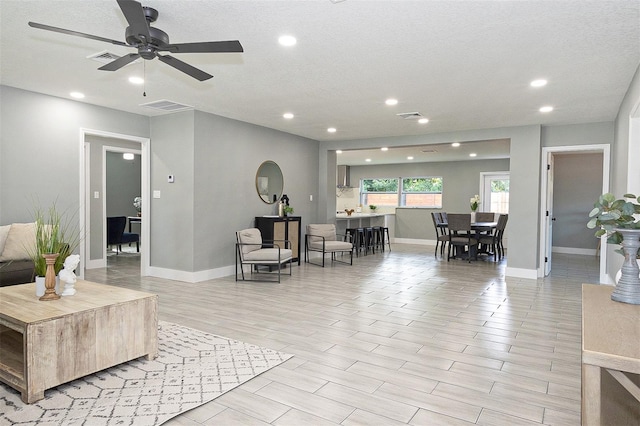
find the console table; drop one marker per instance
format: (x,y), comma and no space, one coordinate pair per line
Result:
(46,344)
(610,359)
(281,228)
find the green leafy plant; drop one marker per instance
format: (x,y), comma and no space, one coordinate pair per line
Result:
(610,213)
(54,234)
(373,207)
(288,209)
(474,202)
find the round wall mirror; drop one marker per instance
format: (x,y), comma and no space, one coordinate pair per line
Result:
(269,182)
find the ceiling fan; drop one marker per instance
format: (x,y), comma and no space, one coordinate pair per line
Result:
(149,41)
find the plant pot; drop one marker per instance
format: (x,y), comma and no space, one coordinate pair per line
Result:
(628,286)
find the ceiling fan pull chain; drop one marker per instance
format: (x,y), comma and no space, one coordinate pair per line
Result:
(144,78)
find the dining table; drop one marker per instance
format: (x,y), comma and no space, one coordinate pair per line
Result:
(479,228)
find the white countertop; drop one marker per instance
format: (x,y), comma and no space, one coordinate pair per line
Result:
(343,216)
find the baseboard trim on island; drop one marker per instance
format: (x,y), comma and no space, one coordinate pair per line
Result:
(531,274)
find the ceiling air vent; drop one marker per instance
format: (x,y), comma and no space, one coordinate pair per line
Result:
(168,106)
(104,57)
(410,115)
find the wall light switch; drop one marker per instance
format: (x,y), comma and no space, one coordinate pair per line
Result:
(310,197)
(170,179)
(156,194)
(96,194)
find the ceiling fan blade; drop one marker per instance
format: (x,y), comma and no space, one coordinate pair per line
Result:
(134,15)
(185,68)
(231,46)
(76,33)
(120,62)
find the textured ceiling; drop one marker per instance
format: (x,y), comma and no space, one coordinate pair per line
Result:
(462,64)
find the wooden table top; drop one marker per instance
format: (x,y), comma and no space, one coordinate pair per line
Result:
(19,303)
(610,330)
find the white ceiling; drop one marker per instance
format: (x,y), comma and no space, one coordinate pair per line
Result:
(462,64)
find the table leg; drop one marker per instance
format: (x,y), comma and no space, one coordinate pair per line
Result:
(591,398)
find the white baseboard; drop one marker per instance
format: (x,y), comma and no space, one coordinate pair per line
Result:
(521,273)
(414,241)
(95,264)
(574,250)
(191,277)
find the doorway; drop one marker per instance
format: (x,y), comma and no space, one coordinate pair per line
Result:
(92,196)
(547,195)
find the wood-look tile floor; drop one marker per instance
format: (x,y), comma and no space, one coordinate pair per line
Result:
(398,338)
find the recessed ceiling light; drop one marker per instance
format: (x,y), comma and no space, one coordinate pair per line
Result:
(128,156)
(391,102)
(136,80)
(423,121)
(455,144)
(287,115)
(538,83)
(331,130)
(339,151)
(546,109)
(384,148)
(287,40)
(409,158)
(368,160)
(76,95)
(473,154)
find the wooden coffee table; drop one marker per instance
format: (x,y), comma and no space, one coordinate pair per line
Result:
(45,344)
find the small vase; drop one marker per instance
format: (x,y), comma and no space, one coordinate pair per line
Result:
(50,278)
(628,287)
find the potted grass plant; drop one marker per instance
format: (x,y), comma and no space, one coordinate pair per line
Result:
(619,220)
(55,239)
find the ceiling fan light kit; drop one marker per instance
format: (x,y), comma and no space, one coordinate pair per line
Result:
(149,41)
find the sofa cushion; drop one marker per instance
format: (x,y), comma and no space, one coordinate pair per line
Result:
(4,232)
(16,272)
(21,238)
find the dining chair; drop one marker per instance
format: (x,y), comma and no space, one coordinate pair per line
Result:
(441,233)
(460,236)
(485,217)
(494,240)
(116,235)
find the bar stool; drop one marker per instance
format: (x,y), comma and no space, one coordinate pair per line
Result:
(369,242)
(358,238)
(384,231)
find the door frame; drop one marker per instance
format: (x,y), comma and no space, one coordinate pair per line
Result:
(85,195)
(605,150)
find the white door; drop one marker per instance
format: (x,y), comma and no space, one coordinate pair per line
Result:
(549,216)
(495,193)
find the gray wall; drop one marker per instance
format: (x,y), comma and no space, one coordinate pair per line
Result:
(40,148)
(123,184)
(622,161)
(461,181)
(577,183)
(215,160)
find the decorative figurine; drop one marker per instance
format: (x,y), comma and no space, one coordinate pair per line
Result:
(67,274)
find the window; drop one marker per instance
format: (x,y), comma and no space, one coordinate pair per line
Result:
(422,192)
(409,192)
(379,192)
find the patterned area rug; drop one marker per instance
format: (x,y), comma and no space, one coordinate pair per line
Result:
(193,367)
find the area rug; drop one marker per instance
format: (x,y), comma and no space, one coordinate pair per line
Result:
(192,368)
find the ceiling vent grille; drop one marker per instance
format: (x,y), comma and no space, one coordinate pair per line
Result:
(429,151)
(410,115)
(165,105)
(104,57)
